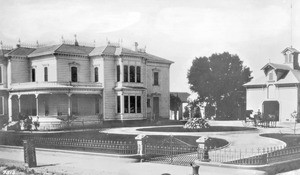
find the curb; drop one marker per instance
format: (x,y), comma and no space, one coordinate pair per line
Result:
(132,156)
(270,169)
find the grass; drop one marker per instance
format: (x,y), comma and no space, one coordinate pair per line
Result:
(15,138)
(210,129)
(291,140)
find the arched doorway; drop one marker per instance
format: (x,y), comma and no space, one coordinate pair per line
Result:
(271,107)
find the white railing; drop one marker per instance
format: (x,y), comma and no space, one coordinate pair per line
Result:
(53,84)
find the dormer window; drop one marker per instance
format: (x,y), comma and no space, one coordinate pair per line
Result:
(271,76)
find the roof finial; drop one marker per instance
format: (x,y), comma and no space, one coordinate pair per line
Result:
(94,43)
(1,44)
(19,43)
(62,39)
(37,43)
(76,42)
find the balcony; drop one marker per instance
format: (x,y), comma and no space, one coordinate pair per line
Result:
(54,84)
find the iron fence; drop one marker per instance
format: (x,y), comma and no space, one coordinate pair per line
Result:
(104,146)
(256,156)
(171,151)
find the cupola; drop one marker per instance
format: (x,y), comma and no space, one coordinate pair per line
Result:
(291,57)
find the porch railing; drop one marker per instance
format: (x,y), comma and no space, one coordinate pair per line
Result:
(53,84)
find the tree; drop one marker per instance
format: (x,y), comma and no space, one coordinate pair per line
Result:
(296,116)
(175,104)
(186,113)
(218,80)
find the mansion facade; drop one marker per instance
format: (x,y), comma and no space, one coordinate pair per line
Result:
(277,92)
(111,81)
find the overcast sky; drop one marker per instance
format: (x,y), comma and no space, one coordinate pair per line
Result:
(178,30)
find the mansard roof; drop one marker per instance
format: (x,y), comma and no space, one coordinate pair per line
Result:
(109,49)
(62,49)
(117,50)
(20,51)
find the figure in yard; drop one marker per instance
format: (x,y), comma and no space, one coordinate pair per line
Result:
(36,124)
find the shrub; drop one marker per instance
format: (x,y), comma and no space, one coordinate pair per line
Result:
(196,123)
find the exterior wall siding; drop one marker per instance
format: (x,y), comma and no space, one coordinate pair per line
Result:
(163,89)
(64,64)
(20,71)
(109,85)
(39,64)
(288,101)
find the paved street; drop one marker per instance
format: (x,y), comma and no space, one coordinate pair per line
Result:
(85,164)
(68,162)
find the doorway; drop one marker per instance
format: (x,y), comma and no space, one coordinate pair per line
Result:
(155,108)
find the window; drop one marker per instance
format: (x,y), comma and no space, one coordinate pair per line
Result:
(74,74)
(1,74)
(45,73)
(96,74)
(138,74)
(132,104)
(125,73)
(132,74)
(1,105)
(118,104)
(33,75)
(155,78)
(118,73)
(286,58)
(126,104)
(290,58)
(138,104)
(271,76)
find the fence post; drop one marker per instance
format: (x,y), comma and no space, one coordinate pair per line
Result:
(29,153)
(203,148)
(140,139)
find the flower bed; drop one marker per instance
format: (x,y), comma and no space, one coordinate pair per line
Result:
(196,123)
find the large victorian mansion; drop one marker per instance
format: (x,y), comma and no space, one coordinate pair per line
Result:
(109,82)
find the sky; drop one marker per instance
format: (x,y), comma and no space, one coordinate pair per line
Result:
(178,30)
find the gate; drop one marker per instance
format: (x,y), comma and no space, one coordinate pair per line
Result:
(171,151)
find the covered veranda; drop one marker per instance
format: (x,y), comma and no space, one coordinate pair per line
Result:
(55,103)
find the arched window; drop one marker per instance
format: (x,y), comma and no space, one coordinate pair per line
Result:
(33,74)
(45,73)
(96,74)
(74,74)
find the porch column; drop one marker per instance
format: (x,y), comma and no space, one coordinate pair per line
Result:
(37,104)
(122,105)
(69,103)
(9,108)
(19,103)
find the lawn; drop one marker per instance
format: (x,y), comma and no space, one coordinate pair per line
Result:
(210,129)
(291,140)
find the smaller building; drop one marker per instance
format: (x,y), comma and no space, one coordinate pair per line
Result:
(278,92)
(183,96)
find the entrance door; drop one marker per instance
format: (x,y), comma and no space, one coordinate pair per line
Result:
(272,108)
(155,108)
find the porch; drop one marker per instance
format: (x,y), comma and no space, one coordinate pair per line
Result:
(54,110)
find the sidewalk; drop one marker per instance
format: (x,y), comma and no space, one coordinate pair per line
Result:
(60,162)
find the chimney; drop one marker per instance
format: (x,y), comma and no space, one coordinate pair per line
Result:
(136,44)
